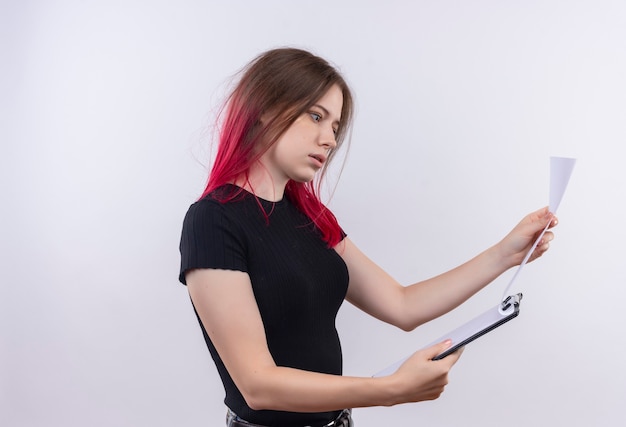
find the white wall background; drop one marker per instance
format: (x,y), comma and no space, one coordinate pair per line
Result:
(103,121)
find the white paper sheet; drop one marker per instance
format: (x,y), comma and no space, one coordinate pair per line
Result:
(560,172)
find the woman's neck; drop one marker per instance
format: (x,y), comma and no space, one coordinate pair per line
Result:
(262,184)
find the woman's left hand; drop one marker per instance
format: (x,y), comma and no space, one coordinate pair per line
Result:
(514,247)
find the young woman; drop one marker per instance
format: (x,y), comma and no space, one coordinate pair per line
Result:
(268,266)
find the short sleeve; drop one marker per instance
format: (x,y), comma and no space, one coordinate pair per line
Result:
(210,240)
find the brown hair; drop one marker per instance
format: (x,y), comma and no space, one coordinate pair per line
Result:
(281,84)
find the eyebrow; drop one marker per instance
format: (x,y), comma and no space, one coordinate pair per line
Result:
(326,112)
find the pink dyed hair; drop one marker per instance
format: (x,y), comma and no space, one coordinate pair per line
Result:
(284,83)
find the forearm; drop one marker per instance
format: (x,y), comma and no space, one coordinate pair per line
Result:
(378,294)
(429,299)
(287,389)
(418,379)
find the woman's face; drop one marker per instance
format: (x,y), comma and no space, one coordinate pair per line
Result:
(304,147)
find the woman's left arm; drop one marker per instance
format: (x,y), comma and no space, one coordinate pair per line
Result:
(377,293)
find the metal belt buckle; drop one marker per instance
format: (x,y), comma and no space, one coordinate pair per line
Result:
(341,420)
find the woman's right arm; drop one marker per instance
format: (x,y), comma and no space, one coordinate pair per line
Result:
(225,303)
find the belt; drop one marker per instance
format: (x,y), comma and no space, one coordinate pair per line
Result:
(343,420)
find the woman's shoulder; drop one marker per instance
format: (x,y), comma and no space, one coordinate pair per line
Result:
(225,202)
(204,206)
(221,196)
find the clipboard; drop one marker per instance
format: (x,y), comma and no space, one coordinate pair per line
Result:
(481,325)
(493,318)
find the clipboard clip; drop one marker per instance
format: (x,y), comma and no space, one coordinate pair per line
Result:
(510,301)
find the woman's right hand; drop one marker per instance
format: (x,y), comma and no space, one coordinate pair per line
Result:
(420,378)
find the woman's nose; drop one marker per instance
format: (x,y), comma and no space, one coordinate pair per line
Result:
(328,138)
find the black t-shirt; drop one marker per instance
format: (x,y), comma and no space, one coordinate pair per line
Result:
(299,283)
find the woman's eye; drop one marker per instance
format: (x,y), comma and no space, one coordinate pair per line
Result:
(316,117)
(335,131)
